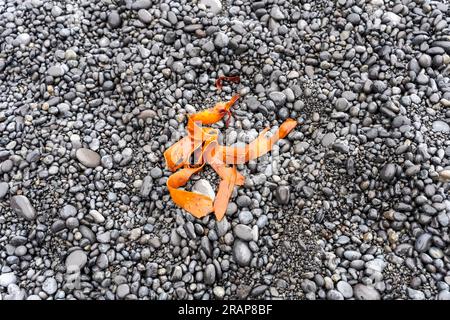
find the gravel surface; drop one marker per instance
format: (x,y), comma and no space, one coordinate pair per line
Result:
(353,204)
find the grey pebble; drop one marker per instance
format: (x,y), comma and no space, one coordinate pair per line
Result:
(88,158)
(341,104)
(57,70)
(282,194)
(50,286)
(23,207)
(210,274)
(114,20)
(348,206)
(221,40)
(423,242)
(243,232)
(276,13)
(387,173)
(241,253)
(4,188)
(334,295)
(23,39)
(7,278)
(441,126)
(345,289)
(203,186)
(68,211)
(245,217)
(279,98)
(328,139)
(363,292)
(214,6)
(144,16)
(123,290)
(76,260)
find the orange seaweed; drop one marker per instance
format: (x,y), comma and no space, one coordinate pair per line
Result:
(202,143)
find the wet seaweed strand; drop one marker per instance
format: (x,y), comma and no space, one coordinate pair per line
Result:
(203,141)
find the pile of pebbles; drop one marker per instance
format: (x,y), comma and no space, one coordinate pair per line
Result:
(353,204)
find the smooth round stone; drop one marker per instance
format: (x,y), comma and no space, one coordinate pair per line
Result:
(243,201)
(282,194)
(108,85)
(423,242)
(70,55)
(97,216)
(387,173)
(276,13)
(18,241)
(144,16)
(6,166)
(23,208)
(352,255)
(363,292)
(354,18)
(245,217)
(7,278)
(425,61)
(88,158)
(210,274)
(123,290)
(20,251)
(436,253)
(4,188)
(57,70)
(50,286)
(72,223)
(221,40)
(141,4)
(443,295)
(349,95)
(422,79)
(107,162)
(440,126)
(68,211)
(300,148)
(341,104)
(76,260)
(102,261)
(415,294)
(243,232)
(444,175)
(308,286)
(219,292)
(56,11)
(278,98)
(195,61)
(114,20)
(203,186)
(343,240)
(208,46)
(57,226)
(334,295)
(345,289)
(23,39)
(145,114)
(241,253)
(328,139)
(214,6)
(391,18)
(53,170)
(156,173)
(87,233)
